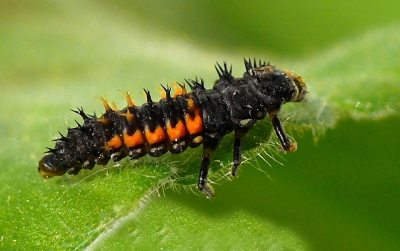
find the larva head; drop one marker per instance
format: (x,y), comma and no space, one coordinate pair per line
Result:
(299,84)
(279,85)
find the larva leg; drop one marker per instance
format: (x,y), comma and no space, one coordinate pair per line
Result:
(209,145)
(237,148)
(285,142)
(237,154)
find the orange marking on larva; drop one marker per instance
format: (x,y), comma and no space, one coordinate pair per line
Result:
(177,90)
(155,137)
(177,132)
(144,95)
(105,103)
(183,87)
(114,106)
(129,100)
(191,105)
(129,116)
(198,139)
(134,140)
(114,143)
(104,120)
(162,92)
(194,125)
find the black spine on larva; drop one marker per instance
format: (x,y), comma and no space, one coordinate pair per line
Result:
(152,118)
(115,124)
(214,114)
(173,110)
(214,111)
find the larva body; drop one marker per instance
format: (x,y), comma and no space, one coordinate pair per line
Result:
(180,121)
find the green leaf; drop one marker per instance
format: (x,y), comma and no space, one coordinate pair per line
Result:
(60,55)
(335,94)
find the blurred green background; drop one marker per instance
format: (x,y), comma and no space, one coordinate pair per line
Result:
(339,193)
